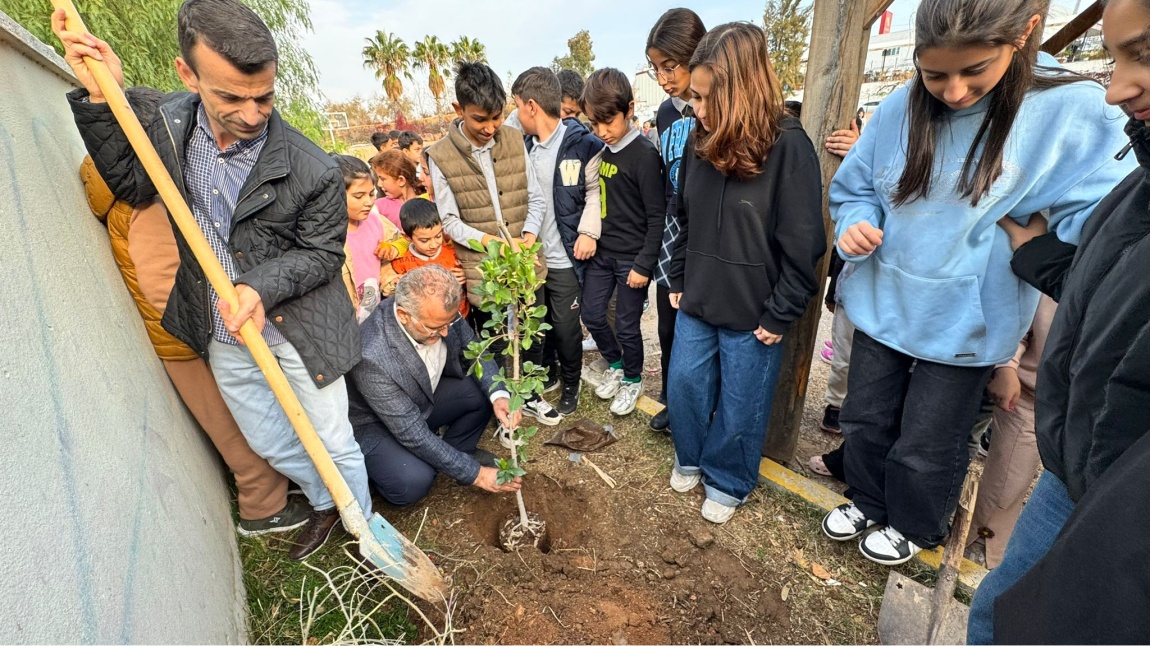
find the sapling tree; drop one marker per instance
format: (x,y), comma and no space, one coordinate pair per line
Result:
(507,292)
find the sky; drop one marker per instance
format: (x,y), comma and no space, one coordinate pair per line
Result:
(517,34)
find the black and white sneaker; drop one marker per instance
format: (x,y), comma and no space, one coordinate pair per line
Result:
(552,383)
(542,412)
(845,522)
(888,547)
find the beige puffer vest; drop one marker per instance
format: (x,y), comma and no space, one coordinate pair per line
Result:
(452,155)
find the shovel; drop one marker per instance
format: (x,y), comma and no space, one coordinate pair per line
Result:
(379,542)
(913,614)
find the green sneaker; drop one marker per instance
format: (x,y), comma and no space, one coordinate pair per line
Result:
(294,514)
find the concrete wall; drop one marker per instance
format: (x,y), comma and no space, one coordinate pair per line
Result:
(114,517)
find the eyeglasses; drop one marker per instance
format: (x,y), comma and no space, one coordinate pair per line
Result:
(436,331)
(662,72)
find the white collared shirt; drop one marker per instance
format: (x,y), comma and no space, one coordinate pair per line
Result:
(433,356)
(625,140)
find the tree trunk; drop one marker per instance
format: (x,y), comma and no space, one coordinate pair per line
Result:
(839,40)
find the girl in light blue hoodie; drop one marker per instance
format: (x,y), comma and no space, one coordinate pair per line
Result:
(975,137)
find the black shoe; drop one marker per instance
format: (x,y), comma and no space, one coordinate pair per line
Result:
(569,401)
(552,383)
(661,421)
(484,458)
(830,422)
(314,534)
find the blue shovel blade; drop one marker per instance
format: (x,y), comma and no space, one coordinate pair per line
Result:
(401,560)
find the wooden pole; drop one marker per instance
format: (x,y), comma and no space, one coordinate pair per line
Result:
(1073,29)
(839,38)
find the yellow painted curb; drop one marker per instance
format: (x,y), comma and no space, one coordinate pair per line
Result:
(649,406)
(970,573)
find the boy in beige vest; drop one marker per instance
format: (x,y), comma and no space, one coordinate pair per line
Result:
(482,179)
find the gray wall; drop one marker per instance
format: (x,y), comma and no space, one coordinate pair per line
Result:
(114,517)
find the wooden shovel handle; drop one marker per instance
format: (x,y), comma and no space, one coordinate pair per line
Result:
(948,571)
(215,273)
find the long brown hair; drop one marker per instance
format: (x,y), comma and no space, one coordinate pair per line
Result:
(960,23)
(745,105)
(396,164)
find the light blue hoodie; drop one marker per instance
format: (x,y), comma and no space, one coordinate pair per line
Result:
(940,287)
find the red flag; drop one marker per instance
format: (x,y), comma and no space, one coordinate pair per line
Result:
(884,23)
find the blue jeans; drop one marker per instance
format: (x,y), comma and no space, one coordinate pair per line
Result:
(1042,518)
(270,434)
(719,432)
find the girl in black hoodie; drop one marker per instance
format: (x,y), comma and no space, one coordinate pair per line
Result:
(1087,581)
(750,206)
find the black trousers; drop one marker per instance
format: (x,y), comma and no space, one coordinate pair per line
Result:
(564,343)
(603,277)
(906,424)
(478,318)
(666,332)
(399,475)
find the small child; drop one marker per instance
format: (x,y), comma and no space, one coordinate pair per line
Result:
(397,181)
(364,269)
(411,145)
(633,208)
(424,230)
(572,85)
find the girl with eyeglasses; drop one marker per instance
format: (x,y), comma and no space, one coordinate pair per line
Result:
(670,46)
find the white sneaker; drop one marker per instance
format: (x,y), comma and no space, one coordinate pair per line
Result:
(506,438)
(610,384)
(627,397)
(845,522)
(888,546)
(589,345)
(542,411)
(717,512)
(684,483)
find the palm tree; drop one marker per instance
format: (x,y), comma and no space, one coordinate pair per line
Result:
(468,50)
(390,57)
(433,55)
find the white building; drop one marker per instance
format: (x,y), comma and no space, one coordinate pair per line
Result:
(895,51)
(648,95)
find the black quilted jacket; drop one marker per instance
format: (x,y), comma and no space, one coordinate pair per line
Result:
(287,234)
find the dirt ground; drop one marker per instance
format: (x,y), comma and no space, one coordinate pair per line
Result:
(637,563)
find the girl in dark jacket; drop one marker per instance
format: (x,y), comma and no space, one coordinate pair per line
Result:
(750,206)
(670,46)
(1092,400)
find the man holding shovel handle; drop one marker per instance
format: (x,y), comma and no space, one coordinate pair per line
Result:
(271,205)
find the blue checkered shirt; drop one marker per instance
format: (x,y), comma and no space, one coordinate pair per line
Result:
(213,179)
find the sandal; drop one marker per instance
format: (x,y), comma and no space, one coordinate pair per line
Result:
(817,465)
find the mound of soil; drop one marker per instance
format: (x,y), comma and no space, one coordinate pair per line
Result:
(615,571)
